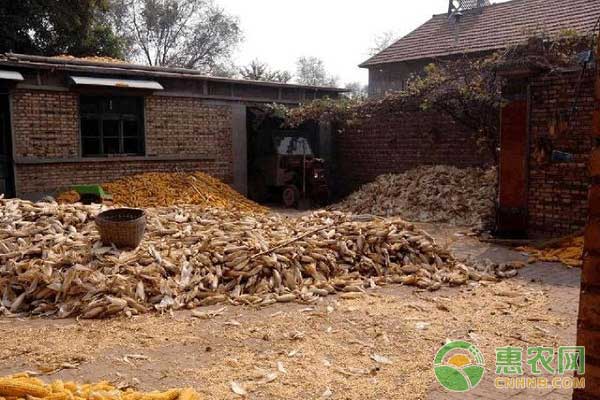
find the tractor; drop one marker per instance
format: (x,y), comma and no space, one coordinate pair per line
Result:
(288,169)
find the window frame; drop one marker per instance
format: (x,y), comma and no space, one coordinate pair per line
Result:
(101,115)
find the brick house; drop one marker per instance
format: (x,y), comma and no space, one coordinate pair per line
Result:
(67,121)
(474,28)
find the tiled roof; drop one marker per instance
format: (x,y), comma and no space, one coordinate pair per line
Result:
(490,28)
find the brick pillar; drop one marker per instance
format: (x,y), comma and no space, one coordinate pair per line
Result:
(588,329)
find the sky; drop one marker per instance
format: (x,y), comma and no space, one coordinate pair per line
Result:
(340,32)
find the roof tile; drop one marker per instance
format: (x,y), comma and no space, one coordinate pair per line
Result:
(492,27)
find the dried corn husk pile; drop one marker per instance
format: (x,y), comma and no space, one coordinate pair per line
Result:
(22,386)
(167,189)
(568,252)
(52,262)
(463,197)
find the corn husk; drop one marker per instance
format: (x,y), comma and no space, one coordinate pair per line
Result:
(462,197)
(52,262)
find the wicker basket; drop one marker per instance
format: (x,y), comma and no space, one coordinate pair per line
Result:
(123,227)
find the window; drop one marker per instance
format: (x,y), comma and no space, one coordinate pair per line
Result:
(112,125)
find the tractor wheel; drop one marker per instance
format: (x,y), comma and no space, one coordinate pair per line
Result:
(290,196)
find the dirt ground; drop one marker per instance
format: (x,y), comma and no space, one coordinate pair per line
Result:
(325,350)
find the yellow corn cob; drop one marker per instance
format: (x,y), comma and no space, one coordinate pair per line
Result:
(130,395)
(30,380)
(168,395)
(102,386)
(58,396)
(21,388)
(189,394)
(57,387)
(71,386)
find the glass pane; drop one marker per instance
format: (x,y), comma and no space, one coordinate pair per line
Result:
(293,146)
(90,146)
(130,128)
(110,128)
(111,145)
(89,128)
(131,145)
(89,105)
(125,105)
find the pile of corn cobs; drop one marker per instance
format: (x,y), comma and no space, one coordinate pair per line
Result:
(462,197)
(52,262)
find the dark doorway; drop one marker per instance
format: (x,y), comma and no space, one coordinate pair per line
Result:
(7,183)
(284,164)
(512,212)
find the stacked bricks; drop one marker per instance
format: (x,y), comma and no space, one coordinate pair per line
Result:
(46,124)
(558,191)
(589,307)
(187,126)
(395,141)
(48,178)
(181,134)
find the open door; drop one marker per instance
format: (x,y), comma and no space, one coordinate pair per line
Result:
(512,196)
(7,183)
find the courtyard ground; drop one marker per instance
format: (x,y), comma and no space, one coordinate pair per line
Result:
(380,346)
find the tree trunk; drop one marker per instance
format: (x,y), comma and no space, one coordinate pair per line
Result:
(588,328)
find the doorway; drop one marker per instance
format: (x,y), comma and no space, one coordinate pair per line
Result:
(7,181)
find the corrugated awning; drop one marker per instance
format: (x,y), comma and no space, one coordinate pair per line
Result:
(11,75)
(119,83)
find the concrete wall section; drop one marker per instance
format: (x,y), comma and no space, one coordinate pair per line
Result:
(240,148)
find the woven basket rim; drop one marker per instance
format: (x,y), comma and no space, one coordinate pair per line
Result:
(102,217)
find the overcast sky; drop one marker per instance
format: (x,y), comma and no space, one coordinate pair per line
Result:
(340,32)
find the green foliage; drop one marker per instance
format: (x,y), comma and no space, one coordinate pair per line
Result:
(51,27)
(467,89)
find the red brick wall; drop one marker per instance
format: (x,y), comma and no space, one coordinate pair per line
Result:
(201,129)
(395,142)
(46,127)
(46,124)
(557,198)
(47,178)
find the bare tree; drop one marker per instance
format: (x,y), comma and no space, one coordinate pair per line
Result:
(193,34)
(382,42)
(357,90)
(260,71)
(311,71)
